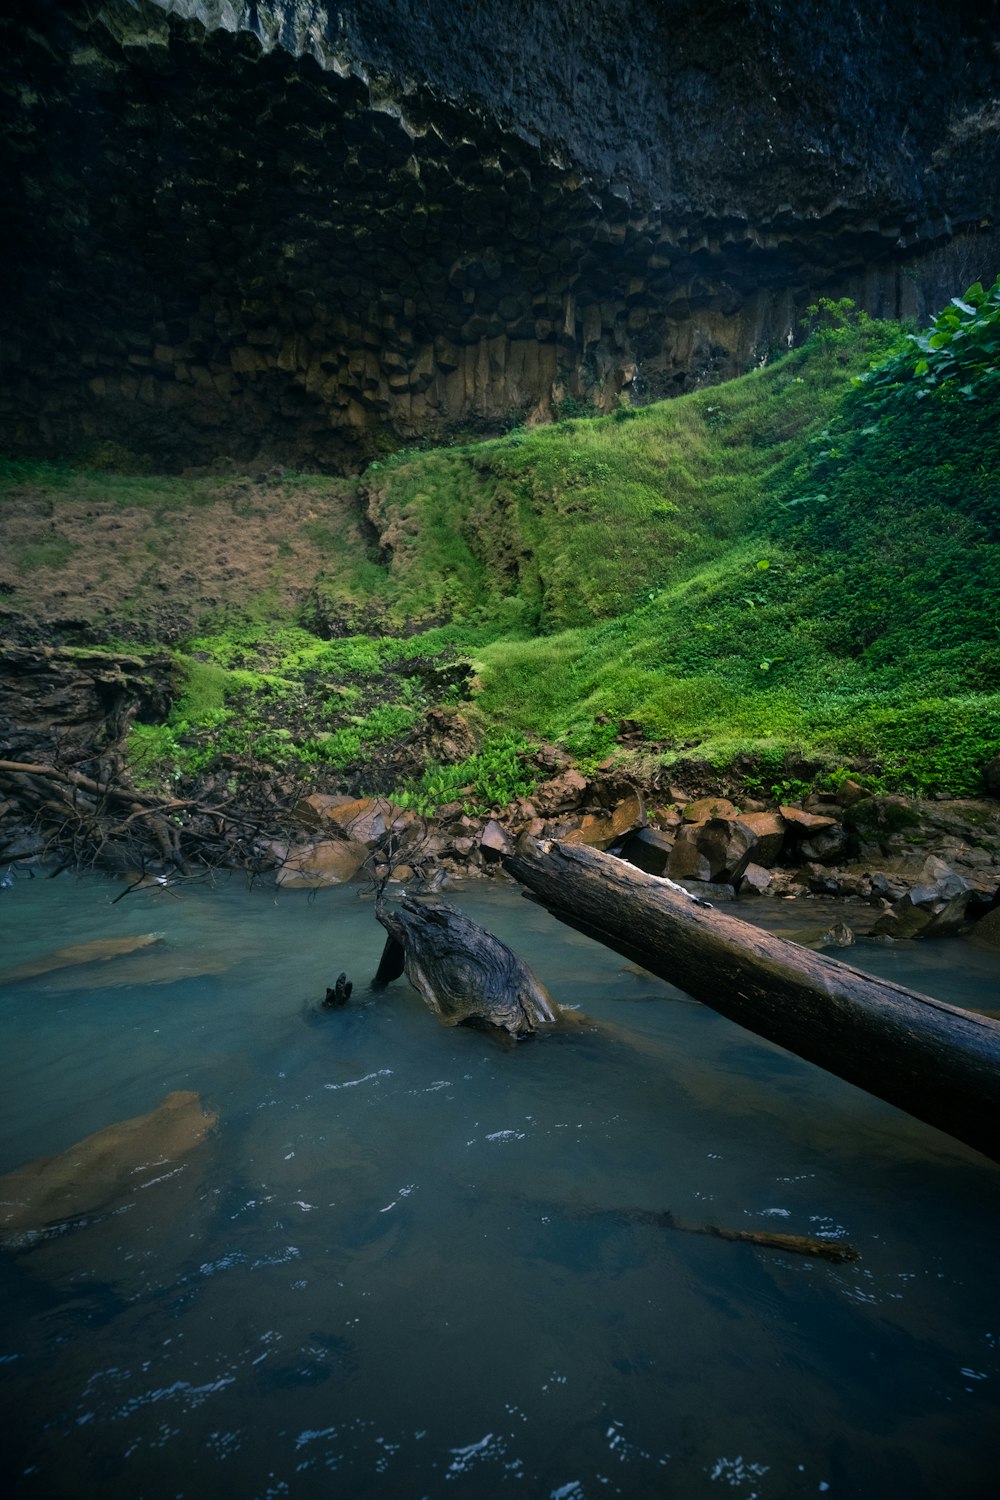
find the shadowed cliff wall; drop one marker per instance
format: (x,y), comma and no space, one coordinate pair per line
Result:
(280,229)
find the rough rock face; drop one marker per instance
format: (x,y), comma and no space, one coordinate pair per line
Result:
(71,705)
(283,228)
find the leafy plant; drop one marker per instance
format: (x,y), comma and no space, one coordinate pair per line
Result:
(959,353)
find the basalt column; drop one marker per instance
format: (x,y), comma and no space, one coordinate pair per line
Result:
(277,230)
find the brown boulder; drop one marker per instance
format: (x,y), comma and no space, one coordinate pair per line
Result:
(769,829)
(366,819)
(710,807)
(728,843)
(600,830)
(826,846)
(325,862)
(494,840)
(804,823)
(686,861)
(849,792)
(314,810)
(755,880)
(722,845)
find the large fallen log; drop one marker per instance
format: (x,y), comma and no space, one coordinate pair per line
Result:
(937,1062)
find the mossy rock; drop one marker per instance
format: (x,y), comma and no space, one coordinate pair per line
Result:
(879,817)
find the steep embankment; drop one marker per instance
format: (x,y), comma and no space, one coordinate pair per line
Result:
(783,577)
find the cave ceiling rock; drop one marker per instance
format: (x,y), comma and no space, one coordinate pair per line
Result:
(454,222)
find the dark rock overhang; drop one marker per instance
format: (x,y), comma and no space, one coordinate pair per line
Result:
(234,228)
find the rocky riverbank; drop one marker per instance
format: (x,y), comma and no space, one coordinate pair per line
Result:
(929,868)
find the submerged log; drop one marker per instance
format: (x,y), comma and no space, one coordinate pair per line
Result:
(939,1063)
(461,971)
(794,1244)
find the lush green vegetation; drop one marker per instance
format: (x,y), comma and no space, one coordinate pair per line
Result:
(799,564)
(855,617)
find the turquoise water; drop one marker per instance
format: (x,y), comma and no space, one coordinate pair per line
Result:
(407,1262)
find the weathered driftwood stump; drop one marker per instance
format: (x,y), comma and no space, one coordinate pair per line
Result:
(937,1062)
(461,971)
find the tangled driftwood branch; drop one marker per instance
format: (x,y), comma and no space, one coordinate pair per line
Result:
(88,822)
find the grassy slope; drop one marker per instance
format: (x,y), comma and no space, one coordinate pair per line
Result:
(760,569)
(781,564)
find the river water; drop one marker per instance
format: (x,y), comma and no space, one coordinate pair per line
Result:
(408,1262)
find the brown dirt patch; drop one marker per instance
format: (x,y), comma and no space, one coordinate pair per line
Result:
(155,570)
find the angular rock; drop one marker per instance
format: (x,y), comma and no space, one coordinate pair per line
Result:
(838,936)
(884,887)
(591,829)
(710,807)
(722,846)
(494,840)
(728,844)
(933,910)
(825,846)
(627,814)
(935,869)
(769,829)
(948,917)
(755,880)
(903,921)
(821,882)
(805,823)
(601,830)
(686,861)
(648,850)
(562,794)
(941,883)
(850,792)
(366,819)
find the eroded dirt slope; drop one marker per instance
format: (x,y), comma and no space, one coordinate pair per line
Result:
(154,560)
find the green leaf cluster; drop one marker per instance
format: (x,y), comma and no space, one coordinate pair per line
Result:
(959,352)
